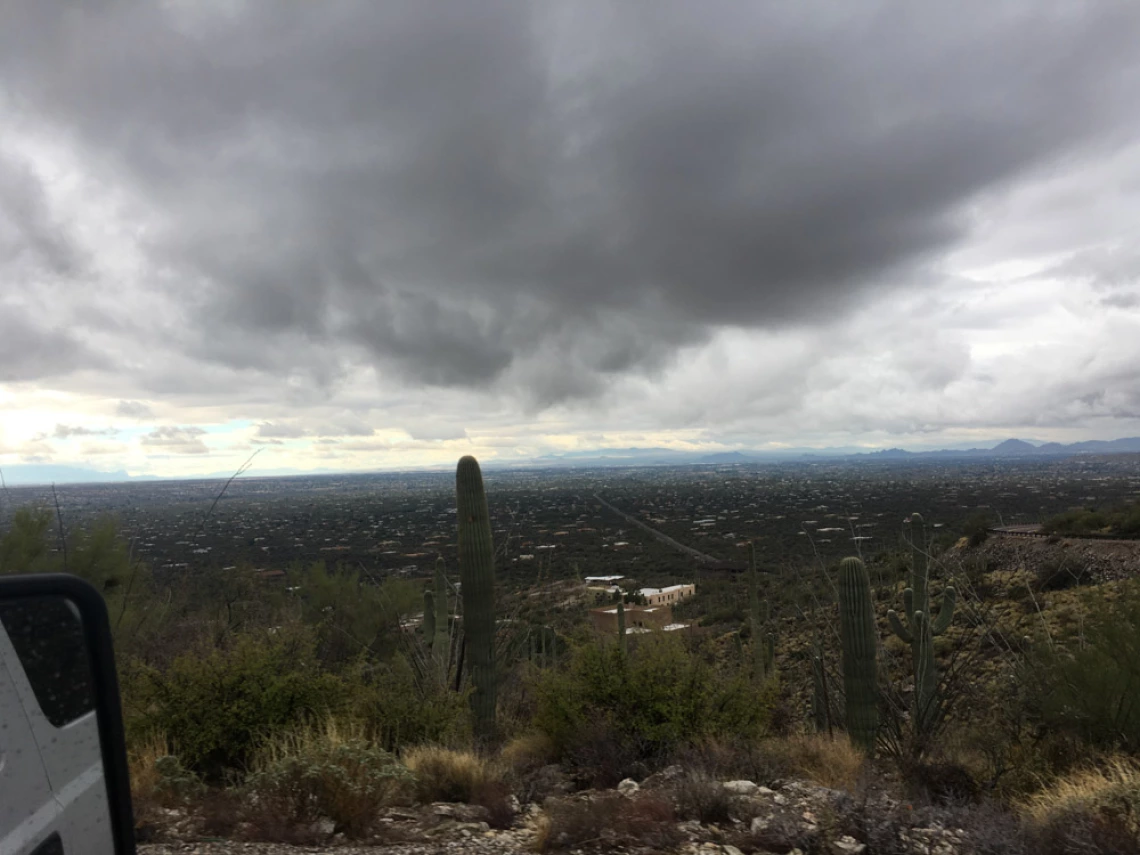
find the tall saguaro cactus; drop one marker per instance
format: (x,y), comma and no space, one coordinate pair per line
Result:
(918,629)
(857,633)
(477,579)
(441,640)
(763,639)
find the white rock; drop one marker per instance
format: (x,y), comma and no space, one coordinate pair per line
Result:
(729,849)
(765,791)
(759,823)
(628,786)
(741,788)
(847,845)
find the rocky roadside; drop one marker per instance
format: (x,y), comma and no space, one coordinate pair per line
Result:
(1102,560)
(497,844)
(795,817)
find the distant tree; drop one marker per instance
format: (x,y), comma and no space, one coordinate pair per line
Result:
(976,528)
(1083,522)
(25,547)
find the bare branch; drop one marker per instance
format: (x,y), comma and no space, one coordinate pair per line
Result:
(62,533)
(241,470)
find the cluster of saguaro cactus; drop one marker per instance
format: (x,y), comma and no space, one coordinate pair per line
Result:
(917,628)
(540,646)
(622,643)
(477,580)
(820,700)
(429,618)
(859,638)
(762,636)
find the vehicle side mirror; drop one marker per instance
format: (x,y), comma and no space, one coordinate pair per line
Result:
(64,785)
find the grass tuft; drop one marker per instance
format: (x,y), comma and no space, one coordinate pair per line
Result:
(1109,793)
(448,774)
(831,762)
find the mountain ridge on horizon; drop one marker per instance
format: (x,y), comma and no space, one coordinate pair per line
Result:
(29,475)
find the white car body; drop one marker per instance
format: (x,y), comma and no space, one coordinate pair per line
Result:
(53,796)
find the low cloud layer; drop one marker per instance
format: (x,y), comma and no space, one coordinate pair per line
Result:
(462,219)
(175,440)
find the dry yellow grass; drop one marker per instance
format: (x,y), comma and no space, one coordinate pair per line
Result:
(1110,791)
(144,774)
(311,740)
(448,774)
(831,762)
(528,751)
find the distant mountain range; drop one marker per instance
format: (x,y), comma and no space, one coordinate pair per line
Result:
(665,456)
(30,474)
(1021,448)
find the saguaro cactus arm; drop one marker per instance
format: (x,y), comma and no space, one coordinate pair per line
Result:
(945,612)
(898,628)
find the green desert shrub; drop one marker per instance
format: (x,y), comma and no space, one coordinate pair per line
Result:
(644,704)
(327,770)
(1059,572)
(403,709)
(25,546)
(976,528)
(1090,687)
(217,706)
(1121,521)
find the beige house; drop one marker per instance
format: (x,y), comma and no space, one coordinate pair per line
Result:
(637,618)
(667,596)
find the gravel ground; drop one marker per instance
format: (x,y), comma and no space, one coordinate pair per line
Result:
(499,843)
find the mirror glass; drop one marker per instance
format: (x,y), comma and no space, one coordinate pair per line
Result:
(53,795)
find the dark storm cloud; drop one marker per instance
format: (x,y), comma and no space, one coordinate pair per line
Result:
(32,350)
(464,192)
(31,236)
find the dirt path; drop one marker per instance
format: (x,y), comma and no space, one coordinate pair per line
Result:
(696,554)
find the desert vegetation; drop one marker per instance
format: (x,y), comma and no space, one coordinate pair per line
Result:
(940,680)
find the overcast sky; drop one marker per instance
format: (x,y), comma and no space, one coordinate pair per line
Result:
(378,234)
